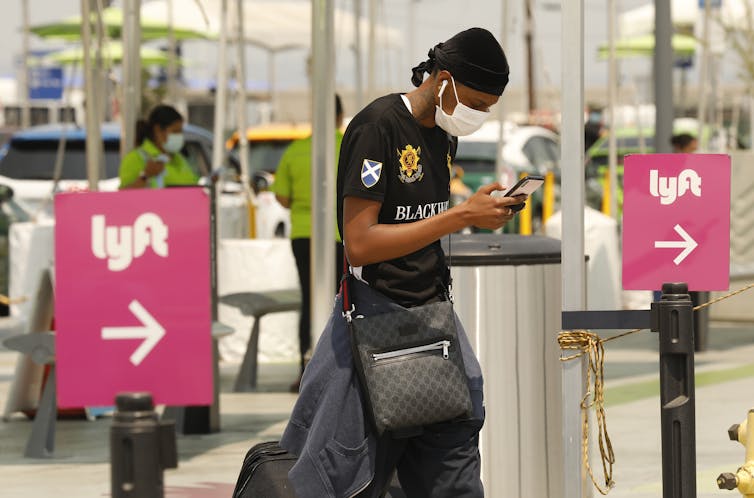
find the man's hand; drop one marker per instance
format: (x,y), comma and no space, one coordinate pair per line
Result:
(485,211)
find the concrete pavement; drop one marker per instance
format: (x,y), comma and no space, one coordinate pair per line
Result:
(209,464)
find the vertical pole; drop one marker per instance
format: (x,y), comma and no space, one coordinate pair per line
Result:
(548,196)
(93,134)
(719,102)
(574,265)
(131,98)
(704,70)
(736,103)
(272,76)
(410,33)
(674,321)
(172,54)
(101,69)
(499,165)
(41,443)
(529,34)
(639,119)
(371,50)
(141,448)
(323,165)
(23,84)
(750,97)
(243,142)
(358,54)
(221,90)
(214,410)
(612,95)
(663,76)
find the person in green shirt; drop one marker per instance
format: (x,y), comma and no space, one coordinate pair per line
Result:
(157,161)
(292,188)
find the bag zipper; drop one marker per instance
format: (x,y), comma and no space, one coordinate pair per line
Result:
(435,346)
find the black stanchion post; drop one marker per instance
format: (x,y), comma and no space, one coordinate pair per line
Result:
(214,414)
(672,317)
(213,236)
(141,447)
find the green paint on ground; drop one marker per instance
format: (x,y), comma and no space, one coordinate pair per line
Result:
(651,388)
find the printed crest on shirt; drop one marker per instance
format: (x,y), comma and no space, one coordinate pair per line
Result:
(370,172)
(411,170)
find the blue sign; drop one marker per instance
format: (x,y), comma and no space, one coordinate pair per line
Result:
(715,4)
(45,83)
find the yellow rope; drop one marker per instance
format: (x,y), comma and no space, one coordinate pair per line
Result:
(8,301)
(590,344)
(731,294)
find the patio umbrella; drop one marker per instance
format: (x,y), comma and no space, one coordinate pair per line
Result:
(112,17)
(112,53)
(644,46)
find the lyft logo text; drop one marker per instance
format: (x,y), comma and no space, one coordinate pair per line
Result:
(121,245)
(669,188)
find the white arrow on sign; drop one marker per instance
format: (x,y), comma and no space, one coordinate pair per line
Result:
(688,244)
(151,332)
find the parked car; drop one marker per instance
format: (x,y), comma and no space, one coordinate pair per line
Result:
(27,161)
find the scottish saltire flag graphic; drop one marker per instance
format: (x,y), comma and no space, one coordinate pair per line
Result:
(370,173)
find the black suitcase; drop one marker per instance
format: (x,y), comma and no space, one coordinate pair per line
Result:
(264,473)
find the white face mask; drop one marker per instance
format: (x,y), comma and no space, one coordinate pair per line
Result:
(463,121)
(174,143)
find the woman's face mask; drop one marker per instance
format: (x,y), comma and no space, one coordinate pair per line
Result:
(463,121)
(174,143)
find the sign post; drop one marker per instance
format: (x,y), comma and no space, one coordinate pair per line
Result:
(132,296)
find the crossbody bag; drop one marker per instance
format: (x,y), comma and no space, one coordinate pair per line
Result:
(409,364)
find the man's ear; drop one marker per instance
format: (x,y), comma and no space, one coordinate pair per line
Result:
(441,81)
(442,75)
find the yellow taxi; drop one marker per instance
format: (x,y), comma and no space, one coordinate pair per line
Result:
(266,146)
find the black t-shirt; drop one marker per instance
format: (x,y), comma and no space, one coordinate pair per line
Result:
(387,156)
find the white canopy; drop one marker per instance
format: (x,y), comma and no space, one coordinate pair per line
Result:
(272,25)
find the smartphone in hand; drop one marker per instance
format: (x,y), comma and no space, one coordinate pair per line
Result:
(525,186)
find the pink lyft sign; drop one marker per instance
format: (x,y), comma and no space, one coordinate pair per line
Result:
(132,296)
(676,221)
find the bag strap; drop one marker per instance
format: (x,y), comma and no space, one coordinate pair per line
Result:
(348,307)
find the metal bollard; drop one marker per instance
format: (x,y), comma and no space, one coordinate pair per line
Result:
(743,479)
(673,318)
(141,447)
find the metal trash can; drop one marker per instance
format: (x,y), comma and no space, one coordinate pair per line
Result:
(507,292)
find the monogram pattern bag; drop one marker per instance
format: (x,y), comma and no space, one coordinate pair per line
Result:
(409,364)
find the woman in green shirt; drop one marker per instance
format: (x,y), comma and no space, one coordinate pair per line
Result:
(157,161)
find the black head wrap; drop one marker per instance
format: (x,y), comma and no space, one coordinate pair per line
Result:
(473,57)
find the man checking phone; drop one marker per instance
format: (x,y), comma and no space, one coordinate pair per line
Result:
(157,162)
